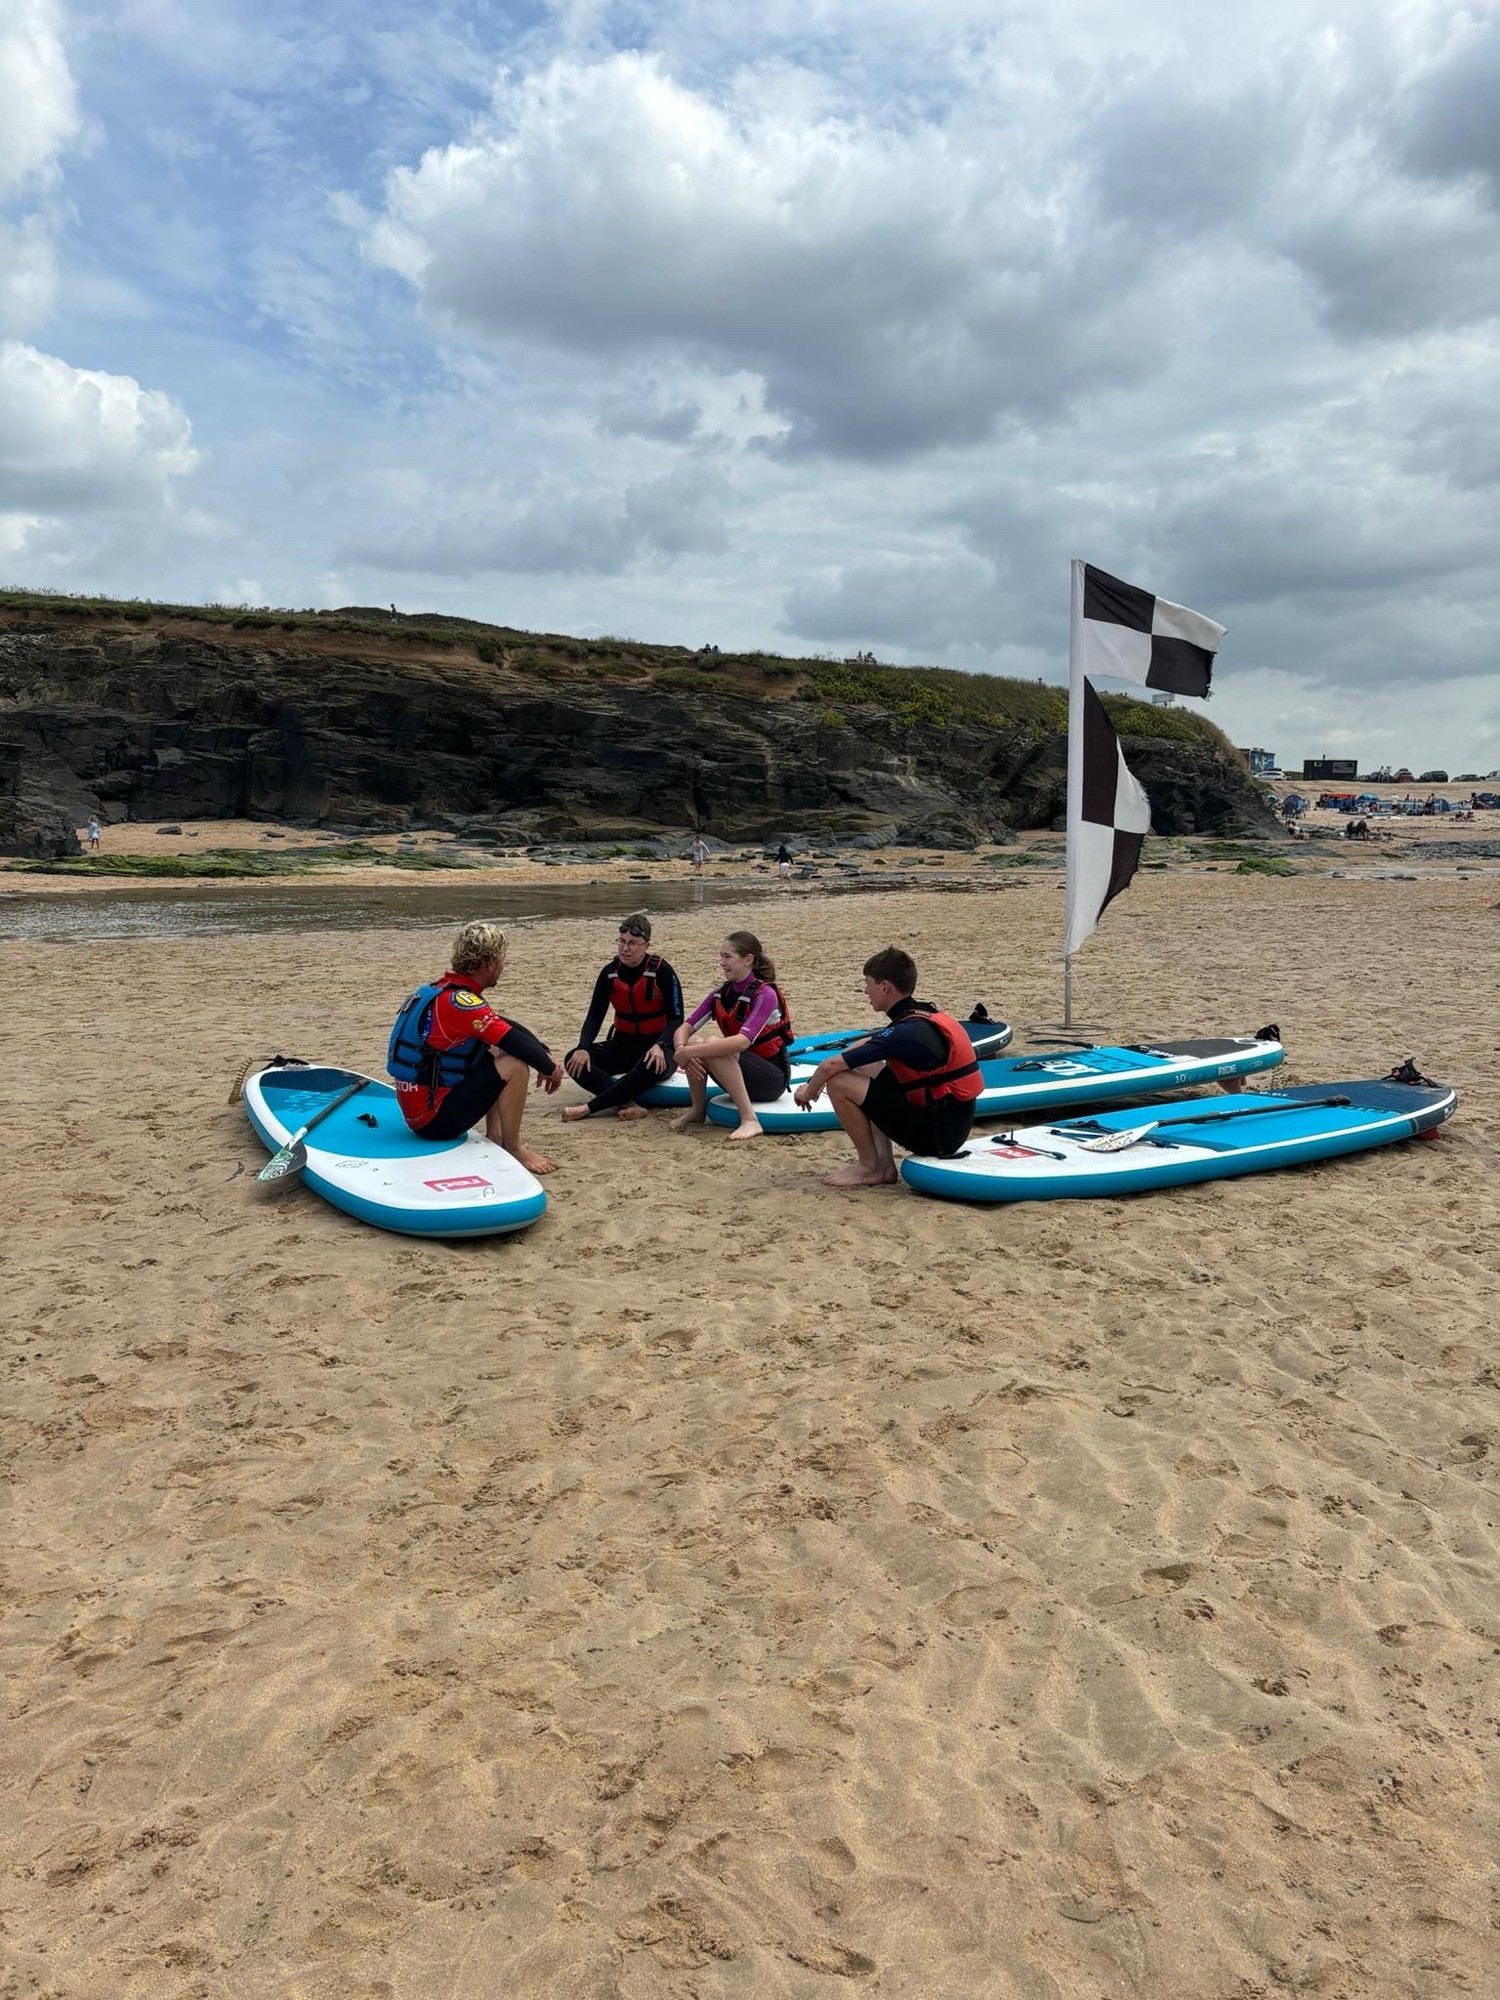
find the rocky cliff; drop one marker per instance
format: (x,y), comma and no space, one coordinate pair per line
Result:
(358,720)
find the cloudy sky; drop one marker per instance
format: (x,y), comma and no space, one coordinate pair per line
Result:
(819,325)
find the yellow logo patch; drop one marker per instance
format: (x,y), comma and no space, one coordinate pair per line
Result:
(463,999)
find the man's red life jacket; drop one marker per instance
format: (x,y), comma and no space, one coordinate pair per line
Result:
(637,1000)
(957,1076)
(732,1010)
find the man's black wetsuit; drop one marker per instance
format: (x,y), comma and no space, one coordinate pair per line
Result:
(934,1130)
(618,1072)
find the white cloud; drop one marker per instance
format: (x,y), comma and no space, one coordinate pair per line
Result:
(38,105)
(83,452)
(892,287)
(75,439)
(28,273)
(38,117)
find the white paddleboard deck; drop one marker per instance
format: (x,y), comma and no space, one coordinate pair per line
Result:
(364,1159)
(1248,1134)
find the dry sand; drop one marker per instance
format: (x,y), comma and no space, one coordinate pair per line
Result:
(731,1588)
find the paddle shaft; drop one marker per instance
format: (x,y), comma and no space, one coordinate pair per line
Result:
(847,1037)
(1132,1133)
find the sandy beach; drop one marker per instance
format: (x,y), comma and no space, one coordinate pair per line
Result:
(730,1588)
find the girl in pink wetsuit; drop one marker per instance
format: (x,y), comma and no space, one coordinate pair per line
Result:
(746,1053)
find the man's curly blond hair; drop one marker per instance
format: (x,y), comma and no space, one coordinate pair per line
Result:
(476,945)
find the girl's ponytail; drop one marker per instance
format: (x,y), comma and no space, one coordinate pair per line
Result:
(748,945)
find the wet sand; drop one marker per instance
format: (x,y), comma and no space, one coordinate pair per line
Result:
(731,1588)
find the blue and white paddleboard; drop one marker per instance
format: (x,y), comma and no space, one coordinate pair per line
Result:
(1017,1085)
(1202,1140)
(807,1051)
(366,1160)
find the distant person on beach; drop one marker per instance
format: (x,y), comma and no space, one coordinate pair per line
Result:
(746,1054)
(913,1082)
(646,996)
(455,1061)
(699,851)
(784,862)
(93,833)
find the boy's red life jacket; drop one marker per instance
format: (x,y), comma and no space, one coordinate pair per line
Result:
(637,1000)
(957,1076)
(732,1010)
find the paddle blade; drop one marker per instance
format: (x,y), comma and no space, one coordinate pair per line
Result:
(284,1166)
(1116,1142)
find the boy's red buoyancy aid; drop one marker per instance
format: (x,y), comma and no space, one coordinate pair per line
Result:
(956,1076)
(732,1010)
(640,1008)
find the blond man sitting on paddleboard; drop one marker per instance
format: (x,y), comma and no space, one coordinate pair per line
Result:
(454,1060)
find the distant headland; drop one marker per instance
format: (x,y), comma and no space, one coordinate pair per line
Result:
(364,719)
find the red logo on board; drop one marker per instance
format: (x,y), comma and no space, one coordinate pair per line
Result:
(458,1183)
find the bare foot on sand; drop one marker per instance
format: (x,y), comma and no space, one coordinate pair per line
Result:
(748,1129)
(688,1118)
(573,1112)
(534,1163)
(632,1111)
(859,1176)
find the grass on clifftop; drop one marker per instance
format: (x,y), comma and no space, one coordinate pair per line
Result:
(937,697)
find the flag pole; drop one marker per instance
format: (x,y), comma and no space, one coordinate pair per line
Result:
(1075,776)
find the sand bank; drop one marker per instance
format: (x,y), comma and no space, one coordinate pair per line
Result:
(730,1588)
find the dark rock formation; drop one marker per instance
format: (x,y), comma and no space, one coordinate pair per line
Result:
(177,723)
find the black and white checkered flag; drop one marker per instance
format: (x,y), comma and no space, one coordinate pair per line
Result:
(1126,634)
(1115,819)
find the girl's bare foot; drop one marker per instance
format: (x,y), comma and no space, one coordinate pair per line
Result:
(748,1129)
(688,1118)
(861,1176)
(573,1112)
(534,1163)
(632,1111)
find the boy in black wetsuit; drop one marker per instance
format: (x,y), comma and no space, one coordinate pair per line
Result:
(913,1082)
(646,996)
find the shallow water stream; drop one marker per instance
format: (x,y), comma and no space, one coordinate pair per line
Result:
(262,909)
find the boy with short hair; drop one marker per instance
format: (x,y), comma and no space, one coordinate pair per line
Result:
(913,1082)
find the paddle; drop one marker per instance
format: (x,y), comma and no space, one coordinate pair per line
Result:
(1116,1142)
(285,1165)
(845,1038)
(826,1044)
